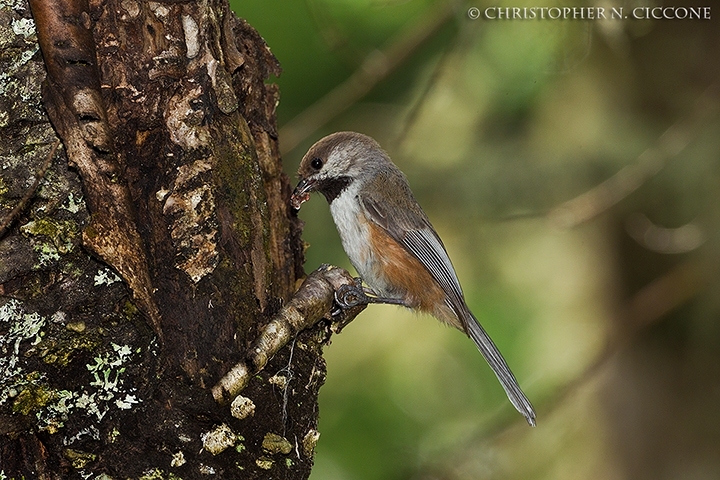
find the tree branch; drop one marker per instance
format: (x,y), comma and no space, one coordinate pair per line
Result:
(311,303)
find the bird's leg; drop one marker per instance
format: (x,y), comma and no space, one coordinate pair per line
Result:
(348,296)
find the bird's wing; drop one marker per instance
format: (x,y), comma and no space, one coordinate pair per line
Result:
(407,224)
(405,221)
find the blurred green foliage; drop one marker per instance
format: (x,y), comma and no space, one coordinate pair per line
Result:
(606,309)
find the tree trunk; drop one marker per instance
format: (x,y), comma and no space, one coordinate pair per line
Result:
(133,279)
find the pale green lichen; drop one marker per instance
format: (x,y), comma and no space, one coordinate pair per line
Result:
(20,77)
(26,327)
(30,392)
(91,432)
(55,413)
(78,459)
(62,233)
(18,5)
(23,327)
(10,311)
(218,439)
(90,404)
(18,92)
(127,403)
(107,371)
(73,204)
(98,403)
(273,443)
(47,254)
(23,26)
(7,80)
(106,276)
(51,238)
(265,463)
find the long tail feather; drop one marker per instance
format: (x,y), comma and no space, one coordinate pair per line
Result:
(499,366)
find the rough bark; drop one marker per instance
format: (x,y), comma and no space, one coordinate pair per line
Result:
(155,249)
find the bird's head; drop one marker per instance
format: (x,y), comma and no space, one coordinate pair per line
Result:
(334,162)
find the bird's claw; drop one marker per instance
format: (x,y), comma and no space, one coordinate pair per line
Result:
(349,296)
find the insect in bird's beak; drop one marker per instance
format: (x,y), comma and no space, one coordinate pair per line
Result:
(301,194)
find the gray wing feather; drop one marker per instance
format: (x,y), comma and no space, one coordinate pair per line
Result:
(428,248)
(411,227)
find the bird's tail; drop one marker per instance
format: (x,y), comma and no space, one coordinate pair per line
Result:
(499,366)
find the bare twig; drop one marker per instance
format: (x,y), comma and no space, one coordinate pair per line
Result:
(376,67)
(666,293)
(414,113)
(39,175)
(588,205)
(655,238)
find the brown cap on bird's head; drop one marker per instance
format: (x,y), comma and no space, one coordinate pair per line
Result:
(339,151)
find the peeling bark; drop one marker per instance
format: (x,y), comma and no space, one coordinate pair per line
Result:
(75,106)
(172,222)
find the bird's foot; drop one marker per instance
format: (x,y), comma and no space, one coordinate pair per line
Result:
(349,296)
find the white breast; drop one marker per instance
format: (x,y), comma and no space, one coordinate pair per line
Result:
(354,234)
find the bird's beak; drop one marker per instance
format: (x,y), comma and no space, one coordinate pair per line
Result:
(301,194)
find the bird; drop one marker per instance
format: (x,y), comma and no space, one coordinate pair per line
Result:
(390,241)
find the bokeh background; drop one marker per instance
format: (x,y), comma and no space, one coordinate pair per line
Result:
(572,169)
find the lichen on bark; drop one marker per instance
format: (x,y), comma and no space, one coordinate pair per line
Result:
(155,248)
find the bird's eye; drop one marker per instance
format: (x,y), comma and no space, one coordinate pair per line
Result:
(316,163)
